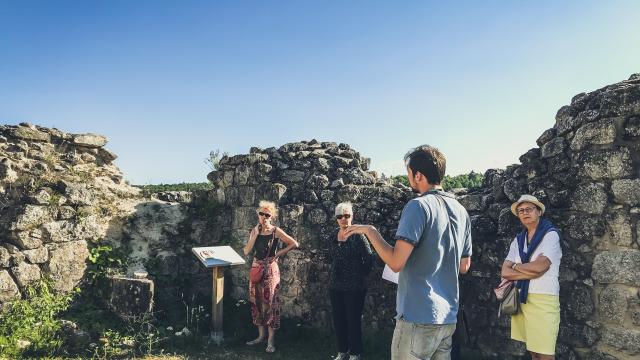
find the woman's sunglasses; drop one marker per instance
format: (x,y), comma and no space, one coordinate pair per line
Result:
(346,216)
(266,215)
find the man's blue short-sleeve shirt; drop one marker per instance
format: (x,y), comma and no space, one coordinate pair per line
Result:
(439,228)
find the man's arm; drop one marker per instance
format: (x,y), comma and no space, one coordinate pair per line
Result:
(394,256)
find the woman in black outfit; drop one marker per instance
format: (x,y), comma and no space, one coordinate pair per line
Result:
(350,264)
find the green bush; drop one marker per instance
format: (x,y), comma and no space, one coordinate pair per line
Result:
(471,180)
(30,326)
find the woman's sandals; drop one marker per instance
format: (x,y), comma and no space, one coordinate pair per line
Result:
(255,342)
(271,348)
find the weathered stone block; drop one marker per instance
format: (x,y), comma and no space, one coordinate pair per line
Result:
(244,218)
(294,176)
(5,256)
(28,239)
(231,196)
(598,133)
(546,136)
(617,267)
(67,263)
(622,339)
(508,224)
(632,127)
(626,191)
(608,164)
(31,217)
(619,227)
(318,181)
(25,274)
(578,301)
(241,175)
(613,305)
(29,134)
(8,288)
(90,140)
(317,216)
(472,202)
(590,198)
(129,298)
(514,188)
(246,194)
(37,256)
(554,147)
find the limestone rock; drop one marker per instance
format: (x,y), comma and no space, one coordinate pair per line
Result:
(626,340)
(31,217)
(554,147)
(619,226)
(26,274)
(626,191)
(28,239)
(590,198)
(27,133)
(617,267)
(7,174)
(37,256)
(599,133)
(613,305)
(8,288)
(317,216)
(90,140)
(67,263)
(608,164)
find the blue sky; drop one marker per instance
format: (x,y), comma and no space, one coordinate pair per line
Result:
(168,81)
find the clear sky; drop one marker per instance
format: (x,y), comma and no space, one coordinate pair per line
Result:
(169,81)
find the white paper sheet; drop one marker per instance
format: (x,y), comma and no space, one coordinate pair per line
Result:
(389,274)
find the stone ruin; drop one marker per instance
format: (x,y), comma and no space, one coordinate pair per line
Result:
(60,194)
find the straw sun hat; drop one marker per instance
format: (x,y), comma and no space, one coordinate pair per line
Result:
(526,198)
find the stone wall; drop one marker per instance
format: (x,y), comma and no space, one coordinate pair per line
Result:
(586,171)
(58,193)
(307,180)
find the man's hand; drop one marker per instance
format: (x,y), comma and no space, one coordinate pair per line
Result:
(358,229)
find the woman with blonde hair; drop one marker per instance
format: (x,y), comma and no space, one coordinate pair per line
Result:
(264,279)
(534,263)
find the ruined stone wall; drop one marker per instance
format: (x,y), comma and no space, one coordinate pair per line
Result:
(307,180)
(58,192)
(586,170)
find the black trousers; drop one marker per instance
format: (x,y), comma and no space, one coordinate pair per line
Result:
(347,309)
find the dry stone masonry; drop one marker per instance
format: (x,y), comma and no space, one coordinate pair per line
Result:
(60,194)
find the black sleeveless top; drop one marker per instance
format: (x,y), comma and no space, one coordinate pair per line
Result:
(262,245)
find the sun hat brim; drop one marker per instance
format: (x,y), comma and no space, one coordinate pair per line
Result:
(526,198)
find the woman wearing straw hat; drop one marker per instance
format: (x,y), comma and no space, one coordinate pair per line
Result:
(534,262)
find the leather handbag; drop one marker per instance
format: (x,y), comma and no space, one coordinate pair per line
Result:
(507,295)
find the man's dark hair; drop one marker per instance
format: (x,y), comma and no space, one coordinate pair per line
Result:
(429,161)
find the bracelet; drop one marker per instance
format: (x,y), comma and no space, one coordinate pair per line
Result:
(513,267)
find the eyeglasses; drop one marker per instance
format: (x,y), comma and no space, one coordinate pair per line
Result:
(266,215)
(346,216)
(527,210)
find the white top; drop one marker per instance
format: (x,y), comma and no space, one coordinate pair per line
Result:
(550,246)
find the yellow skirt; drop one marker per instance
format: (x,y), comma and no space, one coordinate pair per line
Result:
(537,323)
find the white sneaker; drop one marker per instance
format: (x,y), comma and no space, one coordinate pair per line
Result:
(341,356)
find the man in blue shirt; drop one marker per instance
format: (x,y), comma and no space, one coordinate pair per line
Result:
(433,245)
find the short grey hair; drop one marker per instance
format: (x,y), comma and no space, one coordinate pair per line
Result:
(344,208)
